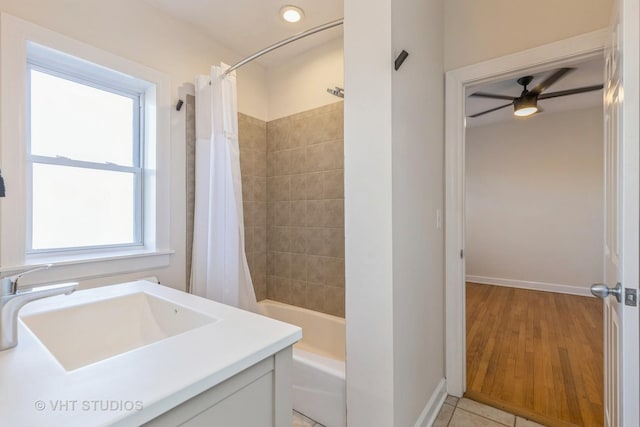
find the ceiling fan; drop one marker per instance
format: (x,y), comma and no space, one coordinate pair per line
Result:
(527,103)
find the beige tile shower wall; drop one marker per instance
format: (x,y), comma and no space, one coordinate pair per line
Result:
(305,209)
(252,136)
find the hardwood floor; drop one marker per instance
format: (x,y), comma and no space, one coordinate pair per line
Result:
(536,354)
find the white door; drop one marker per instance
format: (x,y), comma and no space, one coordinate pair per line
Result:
(621,118)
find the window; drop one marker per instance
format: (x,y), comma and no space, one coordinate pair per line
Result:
(84,151)
(83,162)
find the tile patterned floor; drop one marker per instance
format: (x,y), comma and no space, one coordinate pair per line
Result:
(455,413)
(300,420)
(468,413)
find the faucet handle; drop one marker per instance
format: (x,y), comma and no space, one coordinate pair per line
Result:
(10,283)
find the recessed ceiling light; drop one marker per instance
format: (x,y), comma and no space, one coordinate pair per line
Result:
(291,14)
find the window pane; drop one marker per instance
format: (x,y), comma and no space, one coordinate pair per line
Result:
(80,122)
(75,207)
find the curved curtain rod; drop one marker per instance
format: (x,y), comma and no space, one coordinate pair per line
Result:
(283,43)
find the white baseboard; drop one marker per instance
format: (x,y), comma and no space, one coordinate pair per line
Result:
(430,412)
(536,286)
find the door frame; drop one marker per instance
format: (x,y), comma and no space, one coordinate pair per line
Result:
(581,47)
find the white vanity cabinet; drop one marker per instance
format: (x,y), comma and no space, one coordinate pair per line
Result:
(167,358)
(259,396)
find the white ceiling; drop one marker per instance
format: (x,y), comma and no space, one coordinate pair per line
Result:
(247,26)
(585,74)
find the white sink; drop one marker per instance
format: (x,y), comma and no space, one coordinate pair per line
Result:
(84,334)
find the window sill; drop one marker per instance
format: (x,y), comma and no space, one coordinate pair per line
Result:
(92,266)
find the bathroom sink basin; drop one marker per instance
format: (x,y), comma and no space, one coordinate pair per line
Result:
(83,334)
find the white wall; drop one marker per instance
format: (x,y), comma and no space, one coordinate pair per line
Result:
(481,30)
(534,192)
(368,212)
(418,245)
(301,83)
(144,34)
(393,186)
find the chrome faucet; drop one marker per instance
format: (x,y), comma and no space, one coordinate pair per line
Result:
(13,300)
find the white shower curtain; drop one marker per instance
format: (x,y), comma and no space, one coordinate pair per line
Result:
(220,270)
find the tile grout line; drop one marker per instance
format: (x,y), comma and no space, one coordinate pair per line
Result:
(454,409)
(515,417)
(482,416)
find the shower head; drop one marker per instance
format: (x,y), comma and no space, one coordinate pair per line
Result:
(338,91)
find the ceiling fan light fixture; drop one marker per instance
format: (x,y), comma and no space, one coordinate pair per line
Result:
(527,111)
(525,106)
(291,14)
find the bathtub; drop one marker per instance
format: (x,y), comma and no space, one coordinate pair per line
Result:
(318,362)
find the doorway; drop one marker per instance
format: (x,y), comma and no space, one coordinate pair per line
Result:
(536,60)
(534,243)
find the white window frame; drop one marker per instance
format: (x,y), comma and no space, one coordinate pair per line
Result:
(24,45)
(45,63)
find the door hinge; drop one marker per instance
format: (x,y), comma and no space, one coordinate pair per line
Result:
(630,297)
(461,253)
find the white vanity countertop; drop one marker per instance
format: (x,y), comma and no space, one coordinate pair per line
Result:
(134,387)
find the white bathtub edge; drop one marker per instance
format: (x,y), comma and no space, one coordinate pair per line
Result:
(332,367)
(432,408)
(318,376)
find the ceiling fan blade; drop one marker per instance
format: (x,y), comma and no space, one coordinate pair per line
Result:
(544,85)
(492,96)
(492,110)
(570,92)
